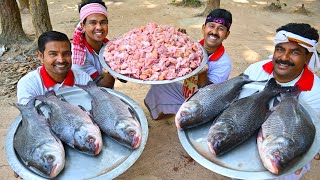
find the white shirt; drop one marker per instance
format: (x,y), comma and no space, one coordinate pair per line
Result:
(311,97)
(38,83)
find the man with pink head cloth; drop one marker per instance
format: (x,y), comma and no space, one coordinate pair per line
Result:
(88,39)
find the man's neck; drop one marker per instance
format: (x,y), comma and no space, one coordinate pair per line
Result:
(210,50)
(95,45)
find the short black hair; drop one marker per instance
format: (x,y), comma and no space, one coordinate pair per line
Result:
(221,13)
(83,3)
(301,29)
(49,36)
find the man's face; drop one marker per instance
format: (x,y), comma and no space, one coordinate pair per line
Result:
(56,59)
(96,28)
(289,59)
(214,34)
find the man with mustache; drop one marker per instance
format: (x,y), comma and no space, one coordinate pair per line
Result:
(167,98)
(88,39)
(295,62)
(54,52)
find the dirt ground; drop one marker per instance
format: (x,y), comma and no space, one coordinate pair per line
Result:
(251,40)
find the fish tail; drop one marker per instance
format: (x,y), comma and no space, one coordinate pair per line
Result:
(47,94)
(21,107)
(273,86)
(294,91)
(88,86)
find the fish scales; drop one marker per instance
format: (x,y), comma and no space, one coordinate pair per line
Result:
(36,144)
(287,131)
(241,119)
(208,102)
(114,117)
(73,125)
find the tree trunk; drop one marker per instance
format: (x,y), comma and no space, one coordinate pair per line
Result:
(10,22)
(40,17)
(211,5)
(24,5)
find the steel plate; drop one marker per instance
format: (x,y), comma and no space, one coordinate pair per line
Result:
(113,160)
(120,76)
(243,162)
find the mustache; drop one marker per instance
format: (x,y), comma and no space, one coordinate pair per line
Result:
(284,62)
(216,35)
(65,63)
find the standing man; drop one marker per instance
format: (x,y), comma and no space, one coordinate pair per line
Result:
(295,62)
(88,39)
(167,99)
(54,52)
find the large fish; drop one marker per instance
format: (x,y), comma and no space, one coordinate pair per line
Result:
(287,133)
(208,102)
(241,119)
(113,116)
(37,146)
(72,125)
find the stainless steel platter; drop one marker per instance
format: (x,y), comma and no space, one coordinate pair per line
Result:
(120,76)
(243,162)
(113,160)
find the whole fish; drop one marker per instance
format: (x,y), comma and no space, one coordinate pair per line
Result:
(287,133)
(113,116)
(72,125)
(241,119)
(208,102)
(37,146)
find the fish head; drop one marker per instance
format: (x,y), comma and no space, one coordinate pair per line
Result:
(219,135)
(48,159)
(189,113)
(128,132)
(276,153)
(87,139)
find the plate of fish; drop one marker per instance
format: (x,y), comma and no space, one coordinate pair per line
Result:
(153,54)
(237,143)
(76,148)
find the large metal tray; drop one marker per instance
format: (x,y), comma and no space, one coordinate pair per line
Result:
(243,162)
(120,76)
(113,160)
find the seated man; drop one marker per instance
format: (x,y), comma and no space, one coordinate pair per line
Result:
(88,39)
(54,52)
(167,98)
(294,62)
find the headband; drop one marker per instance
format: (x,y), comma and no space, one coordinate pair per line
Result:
(92,8)
(221,21)
(311,45)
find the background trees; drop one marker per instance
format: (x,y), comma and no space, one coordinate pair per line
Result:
(10,20)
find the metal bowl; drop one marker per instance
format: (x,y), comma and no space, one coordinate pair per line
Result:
(113,160)
(242,162)
(120,76)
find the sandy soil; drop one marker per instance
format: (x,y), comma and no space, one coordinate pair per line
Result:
(251,40)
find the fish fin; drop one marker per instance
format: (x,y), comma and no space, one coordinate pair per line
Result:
(131,112)
(89,84)
(86,111)
(46,95)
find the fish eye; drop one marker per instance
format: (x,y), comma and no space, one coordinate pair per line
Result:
(132,133)
(50,159)
(276,153)
(91,139)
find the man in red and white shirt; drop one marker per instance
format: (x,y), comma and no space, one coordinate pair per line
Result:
(167,98)
(55,73)
(295,62)
(88,40)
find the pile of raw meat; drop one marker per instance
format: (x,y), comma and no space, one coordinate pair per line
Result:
(153,52)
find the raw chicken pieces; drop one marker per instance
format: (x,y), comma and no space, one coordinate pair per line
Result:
(153,52)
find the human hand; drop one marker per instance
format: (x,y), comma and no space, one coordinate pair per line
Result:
(204,69)
(184,31)
(317,157)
